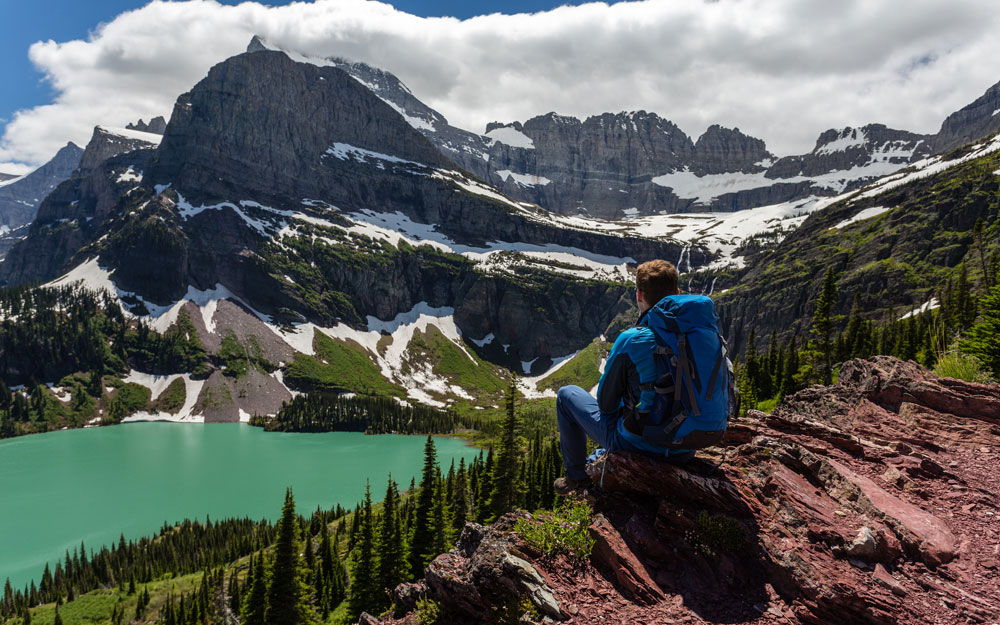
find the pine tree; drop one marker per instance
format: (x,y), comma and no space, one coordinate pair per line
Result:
(983,339)
(439,522)
(361,594)
(506,486)
(284,597)
(459,501)
(788,383)
(965,305)
(977,234)
(421,542)
(254,609)
(392,565)
(58,619)
(822,327)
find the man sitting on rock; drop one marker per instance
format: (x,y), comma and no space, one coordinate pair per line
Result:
(639,407)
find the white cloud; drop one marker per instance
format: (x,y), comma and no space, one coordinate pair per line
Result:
(781,70)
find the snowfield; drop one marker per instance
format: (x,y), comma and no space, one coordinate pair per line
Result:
(866,213)
(512,137)
(135,135)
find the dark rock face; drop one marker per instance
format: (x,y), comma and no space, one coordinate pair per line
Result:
(600,167)
(869,501)
(970,123)
(262,123)
(72,216)
(74,213)
(107,142)
(721,150)
(157,126)
(19,200)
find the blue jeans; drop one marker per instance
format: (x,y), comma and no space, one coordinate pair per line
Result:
(580,417)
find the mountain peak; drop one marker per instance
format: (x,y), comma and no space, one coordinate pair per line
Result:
(257,44)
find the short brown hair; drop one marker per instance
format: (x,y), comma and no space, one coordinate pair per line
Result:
(656,279)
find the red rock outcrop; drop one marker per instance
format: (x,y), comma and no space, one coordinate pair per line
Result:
(875,500)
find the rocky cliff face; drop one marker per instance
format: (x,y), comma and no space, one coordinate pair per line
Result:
(621,165)
(20,199)
(107,142)
(979,119)
(870,501)
(75,211)
(157,126)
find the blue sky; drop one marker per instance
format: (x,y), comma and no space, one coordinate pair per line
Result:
(23,22)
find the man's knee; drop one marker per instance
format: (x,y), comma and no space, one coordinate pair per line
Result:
(566,394)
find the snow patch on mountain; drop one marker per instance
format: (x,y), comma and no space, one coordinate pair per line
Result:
(136,135)
(849,138)
(529,384)
(387,343)
(130,175)
(264,227)
(396,227)
(525,180)
(867,213)
(512,137)
(415,122)
(347,152)
(486,340)
(90,275)
(930,304)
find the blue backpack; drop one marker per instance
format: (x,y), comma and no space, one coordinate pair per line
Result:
(695,387)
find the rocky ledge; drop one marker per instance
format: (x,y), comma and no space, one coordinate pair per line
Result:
(874,500)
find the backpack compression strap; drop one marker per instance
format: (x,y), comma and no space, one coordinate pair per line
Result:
(716,368)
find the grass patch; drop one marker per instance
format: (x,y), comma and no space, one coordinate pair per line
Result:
(962,367)
(172,398)
(582,370)
(480,379)
(339,366)
(564,530)
(128,399)
(768,405)
(96,606)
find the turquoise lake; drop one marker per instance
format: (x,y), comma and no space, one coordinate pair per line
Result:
(59,488)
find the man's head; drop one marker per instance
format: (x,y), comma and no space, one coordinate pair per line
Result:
(654,280)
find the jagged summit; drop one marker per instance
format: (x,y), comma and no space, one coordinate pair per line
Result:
(156,125)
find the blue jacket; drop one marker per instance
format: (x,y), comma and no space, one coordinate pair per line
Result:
(630,364)
(626,389)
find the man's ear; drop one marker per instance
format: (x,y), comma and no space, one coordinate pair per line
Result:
(639,297)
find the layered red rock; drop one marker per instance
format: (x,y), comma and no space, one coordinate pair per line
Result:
(874,500)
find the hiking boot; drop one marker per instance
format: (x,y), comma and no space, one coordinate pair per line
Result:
(566,486)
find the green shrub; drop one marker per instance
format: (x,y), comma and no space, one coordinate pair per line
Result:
(719,533)
(428,611)
(564,530)
(961,367)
